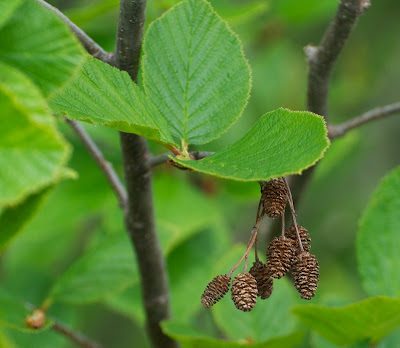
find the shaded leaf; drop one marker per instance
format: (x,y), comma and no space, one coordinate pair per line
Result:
(103,95)
(378,239)
(189,268)
(372,319)
(7,8)
(28,143)
(13,314)
(40,44)
(195,72)
(192,338)
(99,273)
(282,142)
(13,219)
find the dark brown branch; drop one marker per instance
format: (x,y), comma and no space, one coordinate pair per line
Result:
(90,46)
(139,216)
(74,336)
(336,131)
(105,166)
(322,58)
(160,159)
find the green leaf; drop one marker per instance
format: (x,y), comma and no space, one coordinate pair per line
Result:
(40,44)
(192,338)
(28,142)
(188,271)
(378,239)
(13,219)
(103,95)
(13,314)
(195,72)
(7,8)
(282,142)
(181,211)
(101,272)
(372,319)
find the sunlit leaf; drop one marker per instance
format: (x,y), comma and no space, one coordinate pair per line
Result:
(282,142)
(195,72)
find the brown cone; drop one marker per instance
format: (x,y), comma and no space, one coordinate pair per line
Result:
(280,256)
(275,197)
(244,292)
(304,236)
(306,275)
(264,282)
(215,290)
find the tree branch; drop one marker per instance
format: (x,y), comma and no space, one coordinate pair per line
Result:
(322,58)
(105,166)
(336,131)
(160,159)
(74,336)
(139,216)
(90,46)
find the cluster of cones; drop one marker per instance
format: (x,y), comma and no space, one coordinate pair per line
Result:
(291,251)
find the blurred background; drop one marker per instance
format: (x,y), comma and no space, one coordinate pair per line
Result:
(210,216)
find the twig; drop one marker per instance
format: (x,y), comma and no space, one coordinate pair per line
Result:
(139,216)
(90,46)
(252,240)
(74,336)
(322,58)
(160,159)
(336,131)
(291,205)
(105,166)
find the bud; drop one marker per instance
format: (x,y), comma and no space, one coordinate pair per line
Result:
(36,320)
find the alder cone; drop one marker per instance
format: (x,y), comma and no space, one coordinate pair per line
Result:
(281,253)
(275,197)
(244,292)
(264,282)
(215,290)
(304,236)
(306,275)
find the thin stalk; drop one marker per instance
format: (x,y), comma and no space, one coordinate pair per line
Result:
(293,214)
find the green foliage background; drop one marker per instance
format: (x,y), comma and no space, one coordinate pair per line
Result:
(82,215)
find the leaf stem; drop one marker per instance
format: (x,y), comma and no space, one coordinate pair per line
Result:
(160,159)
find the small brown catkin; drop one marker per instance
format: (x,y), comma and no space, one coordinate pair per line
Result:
(304,236)
(244,292)
(306,275)
(264,282)
(215,290)
(281,253)
(275,197)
